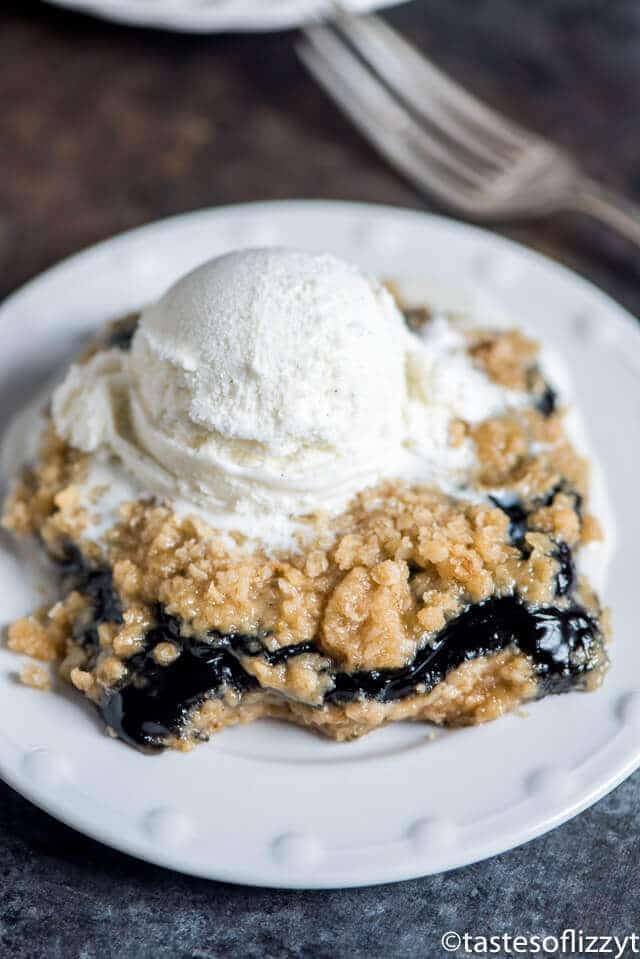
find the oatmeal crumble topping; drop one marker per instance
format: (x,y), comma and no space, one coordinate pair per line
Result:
(507,357)
(35,676)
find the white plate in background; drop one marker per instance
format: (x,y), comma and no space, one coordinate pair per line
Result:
(271,804)
(215,16)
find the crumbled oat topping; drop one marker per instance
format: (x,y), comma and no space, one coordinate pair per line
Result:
(44,501)
(35,676)
(506,356)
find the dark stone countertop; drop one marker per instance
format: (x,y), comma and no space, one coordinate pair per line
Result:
(104,128)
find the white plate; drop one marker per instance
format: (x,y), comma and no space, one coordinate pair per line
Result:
(270,804)
(215,16)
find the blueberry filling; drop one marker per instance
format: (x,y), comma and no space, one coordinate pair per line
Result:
(562,644)
(518,525)
(566,576)
(95,583)
(154,701)
(519,516)
(157,700)
(253,646)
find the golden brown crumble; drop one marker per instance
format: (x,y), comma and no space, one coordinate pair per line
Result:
(45,499)
(44,634)
(35,676)
(506,356)
(362,605)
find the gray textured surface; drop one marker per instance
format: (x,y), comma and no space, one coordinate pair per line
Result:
(105,128)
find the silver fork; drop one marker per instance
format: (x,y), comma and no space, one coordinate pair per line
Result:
(443,139)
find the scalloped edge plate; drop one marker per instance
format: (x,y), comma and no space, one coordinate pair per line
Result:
(269,804)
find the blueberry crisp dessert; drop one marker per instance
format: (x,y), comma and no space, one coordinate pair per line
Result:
(279,491)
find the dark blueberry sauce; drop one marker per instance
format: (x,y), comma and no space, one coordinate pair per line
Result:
(566,576)
(253,646)
(154,701)
(94,582)
(157,700)
(560,644)
(518,526)
(519,516)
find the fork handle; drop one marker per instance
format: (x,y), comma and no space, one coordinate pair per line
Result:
(608,207)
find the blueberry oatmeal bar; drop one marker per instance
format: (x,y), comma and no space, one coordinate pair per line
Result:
(277,492)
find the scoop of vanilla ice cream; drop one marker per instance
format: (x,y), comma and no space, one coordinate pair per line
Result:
(271,352)
(271,368)
(271,383)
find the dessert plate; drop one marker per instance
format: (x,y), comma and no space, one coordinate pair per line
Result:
(215,16)
(270,804)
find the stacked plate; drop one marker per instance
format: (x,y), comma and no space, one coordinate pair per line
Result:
(211,16)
